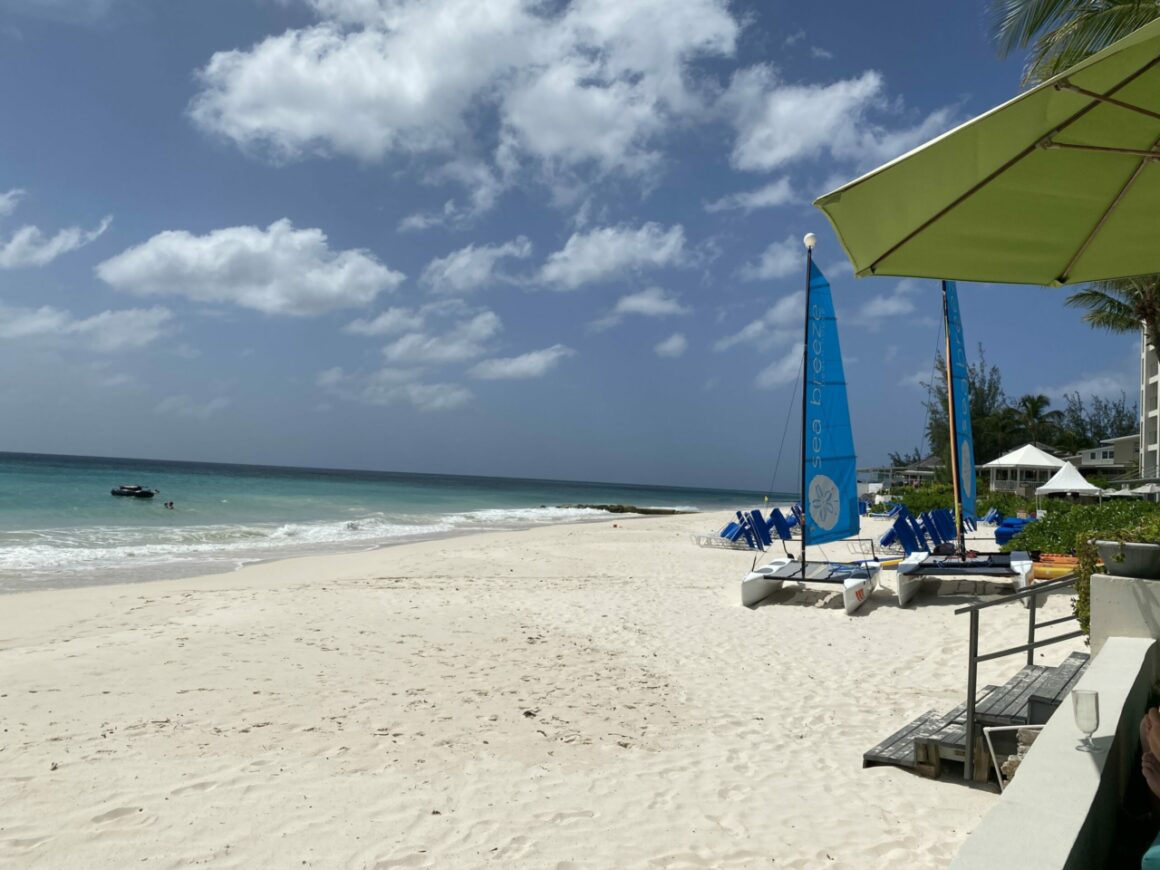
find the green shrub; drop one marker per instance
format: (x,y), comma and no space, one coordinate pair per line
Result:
(1007,503)
(1070,528)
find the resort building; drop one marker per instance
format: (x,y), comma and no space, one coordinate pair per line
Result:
(1112,458)
(1022,470)
(1149,410)
(915,474)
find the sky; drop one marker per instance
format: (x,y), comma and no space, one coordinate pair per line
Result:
(531,238)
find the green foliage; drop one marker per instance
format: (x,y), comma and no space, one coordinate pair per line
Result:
(926,498)
(901,460)
(1087,425)
(1060,33)
(941,495)
(1007,503)
(1070,528)
(999,424)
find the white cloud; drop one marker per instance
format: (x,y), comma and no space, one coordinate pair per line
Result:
(108,331)
(534,364)
(919,379)
(28,246)
(777,261)
(393,386)
(673,346)
(775,193)
(820,53)
(1098,385)
(889,307)
(390,322)
(781,371)
(778,124)
(591,82)
(466,340)
(9,200)
(608,252)
(279,270)
(481,184)
(779,324)
(471,268)
(185,406)
(652,302)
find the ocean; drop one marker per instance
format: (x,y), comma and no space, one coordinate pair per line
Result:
(60,526)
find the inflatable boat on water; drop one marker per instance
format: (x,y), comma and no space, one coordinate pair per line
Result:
(134,491)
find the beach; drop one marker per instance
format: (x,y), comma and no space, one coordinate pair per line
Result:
(571,696)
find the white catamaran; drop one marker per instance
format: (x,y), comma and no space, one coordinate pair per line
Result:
(963,562)
(829,477)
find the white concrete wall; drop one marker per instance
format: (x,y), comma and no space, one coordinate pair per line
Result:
(1059,813)
(1123,607)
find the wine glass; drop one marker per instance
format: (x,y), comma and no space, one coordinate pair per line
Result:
(1086,706)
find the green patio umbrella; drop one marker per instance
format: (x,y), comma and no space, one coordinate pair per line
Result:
(1060,185)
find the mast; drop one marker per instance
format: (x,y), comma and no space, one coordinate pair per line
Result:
(810,240)
(954,436)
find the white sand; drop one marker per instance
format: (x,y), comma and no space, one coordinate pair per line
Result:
(576,696)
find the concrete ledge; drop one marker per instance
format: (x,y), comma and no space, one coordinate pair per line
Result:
(1123,607)
(1059,813)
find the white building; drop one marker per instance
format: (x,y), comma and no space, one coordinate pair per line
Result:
(1149,410)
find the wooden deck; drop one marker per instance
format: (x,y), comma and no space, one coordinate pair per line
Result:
(1029,697)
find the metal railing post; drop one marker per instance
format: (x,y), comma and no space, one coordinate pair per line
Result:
(972,667)
(1031,629)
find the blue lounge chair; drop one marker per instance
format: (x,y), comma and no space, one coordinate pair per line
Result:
(760,527)
(906,537)
(945,521)
(780,524)
(918,533)
(928,524)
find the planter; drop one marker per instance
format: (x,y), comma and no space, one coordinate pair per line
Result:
(1130,559)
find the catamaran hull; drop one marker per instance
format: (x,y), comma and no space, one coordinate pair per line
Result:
(914,567)
(762,582)
(908,583)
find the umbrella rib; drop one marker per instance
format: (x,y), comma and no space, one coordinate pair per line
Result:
(1146,154)
(1112,206)
(979,185)
(1104,98)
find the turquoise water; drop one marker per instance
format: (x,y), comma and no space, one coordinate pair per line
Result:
(60,526)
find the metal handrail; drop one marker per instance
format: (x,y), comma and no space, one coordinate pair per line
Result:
(1035,589)
(973,656)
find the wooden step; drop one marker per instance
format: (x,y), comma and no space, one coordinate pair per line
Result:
(1052,690)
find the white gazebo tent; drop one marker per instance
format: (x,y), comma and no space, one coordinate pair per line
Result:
(1022,469)
(1068,479)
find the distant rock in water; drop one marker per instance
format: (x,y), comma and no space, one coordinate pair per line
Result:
(627,509)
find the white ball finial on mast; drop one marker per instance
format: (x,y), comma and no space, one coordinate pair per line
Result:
(810,240)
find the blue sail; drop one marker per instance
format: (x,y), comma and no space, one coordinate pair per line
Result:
(965,449)
(830,500)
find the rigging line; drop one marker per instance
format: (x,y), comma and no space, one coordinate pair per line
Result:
(785,428)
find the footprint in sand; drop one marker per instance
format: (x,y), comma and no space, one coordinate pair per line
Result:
(412,860)
(195,787)
(134,815)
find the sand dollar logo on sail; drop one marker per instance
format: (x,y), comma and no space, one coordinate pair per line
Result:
(825,505)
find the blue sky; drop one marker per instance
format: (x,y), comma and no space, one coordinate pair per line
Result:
(541,239)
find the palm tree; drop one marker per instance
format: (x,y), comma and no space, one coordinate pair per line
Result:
(1035,422)
(1060,33)
(1122,305)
